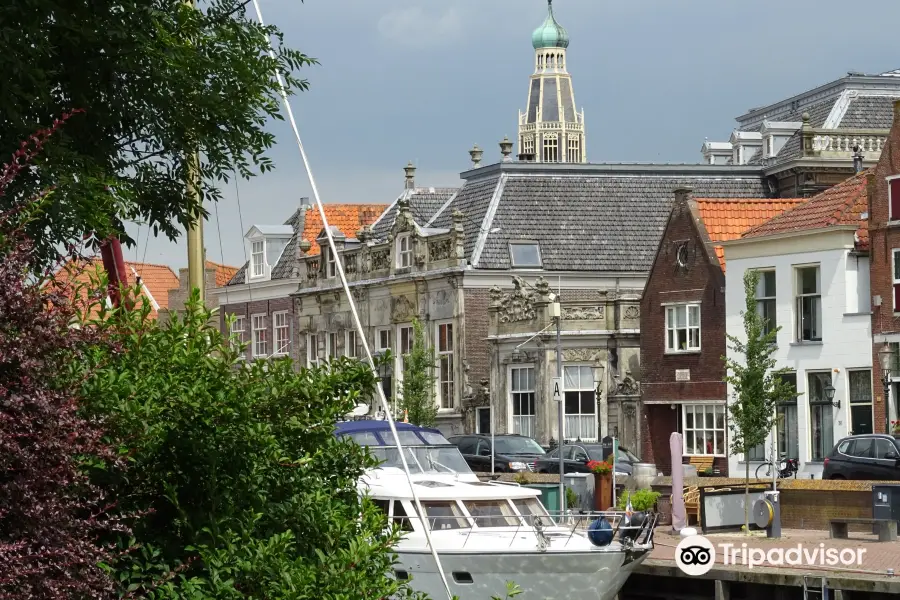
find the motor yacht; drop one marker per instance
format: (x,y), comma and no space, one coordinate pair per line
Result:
(488,533)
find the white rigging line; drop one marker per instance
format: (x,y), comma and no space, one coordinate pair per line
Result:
(356,320)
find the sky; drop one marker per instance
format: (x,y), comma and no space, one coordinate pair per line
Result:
(425,80)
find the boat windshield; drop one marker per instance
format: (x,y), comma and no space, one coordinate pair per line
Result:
(424,459)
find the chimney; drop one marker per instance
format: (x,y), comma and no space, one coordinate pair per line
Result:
(683,194)
(896,112)
(857,159)
(506,149)
(305,203)
(410,171)
(476,153)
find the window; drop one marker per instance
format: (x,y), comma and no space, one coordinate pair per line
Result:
(765,299)
(258,258)
(405,337)
(491,513)
(551,148)
(312,350)
(445,515)
(260,341)
(521,396)
(332,268)
(581,404)
(528,146)
(757,453)
(820,415)
(683,328)
(446,390)
(861,419)
(786,421)
(896,279)
(894,198)
(332,349)
(238,328)
(809,305)
(282,332)
(351,347)
(704,429)
(383,340)
(574,155)
(884,449)
(525,254)
(482,419)
(404,251)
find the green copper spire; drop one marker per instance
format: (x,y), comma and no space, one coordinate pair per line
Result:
(550,34)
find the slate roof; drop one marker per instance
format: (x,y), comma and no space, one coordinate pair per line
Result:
(348,218)
(601,221)
(843,204)
(423,204)
(158,279)
(728,218)
(869,112)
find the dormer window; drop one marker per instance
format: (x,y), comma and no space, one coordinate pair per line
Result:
(332,267)
(258,258)
(525,255)
(404,251)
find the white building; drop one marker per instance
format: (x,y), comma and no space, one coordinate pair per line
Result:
(814,286)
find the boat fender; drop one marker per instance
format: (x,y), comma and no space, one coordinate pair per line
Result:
(600,532)
(633,527)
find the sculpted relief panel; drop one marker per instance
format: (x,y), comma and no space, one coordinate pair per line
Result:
(583,313)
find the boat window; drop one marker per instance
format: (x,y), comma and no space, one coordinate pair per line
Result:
(364,438)
(401,519)
(434,439)
(383,506)
(492,513)
(407,438)
(431,459)
(445,515)
(530,508)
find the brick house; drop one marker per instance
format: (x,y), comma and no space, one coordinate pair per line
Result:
(884,233)
(216,276)
(813,263)
(258,296)
(683,325)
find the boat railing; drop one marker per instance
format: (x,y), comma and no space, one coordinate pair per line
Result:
(498,482)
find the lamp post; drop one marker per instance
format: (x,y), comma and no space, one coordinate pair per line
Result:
(384,374)
(829,395)
(556,315)
(885,358)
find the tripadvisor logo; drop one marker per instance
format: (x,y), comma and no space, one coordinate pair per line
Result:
(696,555)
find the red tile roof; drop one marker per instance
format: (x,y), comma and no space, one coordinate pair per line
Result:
(158,279)
(224,273)
(844,204)
(349,218)
(729,218)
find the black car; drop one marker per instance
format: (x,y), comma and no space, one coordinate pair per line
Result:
(512,452)
(577,456)
(873,456)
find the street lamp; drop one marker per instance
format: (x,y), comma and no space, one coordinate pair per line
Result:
(829,395)
(885,358)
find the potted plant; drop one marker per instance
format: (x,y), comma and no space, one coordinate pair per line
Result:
(602,471)
(707,472)
(641,500)
(895,427)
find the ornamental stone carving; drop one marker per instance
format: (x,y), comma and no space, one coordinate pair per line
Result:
(496,296)
(381,259)
(627,386)
(402,308)
(582,313)
(518,305)
(360,294)
(453,281)
(581,355)
(442,297)
(632,312)
(440,249)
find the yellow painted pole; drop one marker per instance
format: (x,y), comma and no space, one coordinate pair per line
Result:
(196,251)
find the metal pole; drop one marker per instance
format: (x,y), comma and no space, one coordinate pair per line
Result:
(886,379)
(196,262)
(562,417)
(493,427)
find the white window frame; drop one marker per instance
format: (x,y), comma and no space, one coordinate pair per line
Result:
(522,426)
(550,151)
(445,382)
(238,329)
(528,145)
(672,328)
(891,215)
(716,410)
(282,344)
(574,149)
(765,299)
(331,345)
(895,281)
(379,339)
(593,415)
(258,258)
(478,410)
(404,251)
(331,267)
(398,359)
(798,304)
(260,337)
(351,344)
(312,350)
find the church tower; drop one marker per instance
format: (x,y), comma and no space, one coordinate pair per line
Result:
(551,130)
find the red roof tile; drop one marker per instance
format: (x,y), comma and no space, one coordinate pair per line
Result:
(844,204)
(349,218)
(729,218)
(224,273)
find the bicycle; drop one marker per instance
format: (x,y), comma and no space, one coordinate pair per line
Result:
(786,468)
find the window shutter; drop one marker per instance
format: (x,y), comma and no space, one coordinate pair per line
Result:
(895,199)
(896,296)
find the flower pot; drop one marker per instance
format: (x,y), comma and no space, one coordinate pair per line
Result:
(602,491)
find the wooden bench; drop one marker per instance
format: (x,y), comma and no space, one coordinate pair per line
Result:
(885,528)
(702,463)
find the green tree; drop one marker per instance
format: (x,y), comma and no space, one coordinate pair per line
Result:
(245,491)
(757,387)
(417,398)
(157,80)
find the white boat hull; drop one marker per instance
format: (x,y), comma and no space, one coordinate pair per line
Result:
(552,575)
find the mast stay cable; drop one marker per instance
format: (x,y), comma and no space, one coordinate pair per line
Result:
(354,312)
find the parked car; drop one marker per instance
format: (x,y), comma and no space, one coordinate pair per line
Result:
(512,452)
(577,456)
(873,456)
